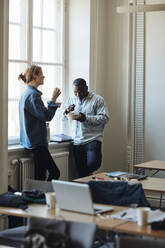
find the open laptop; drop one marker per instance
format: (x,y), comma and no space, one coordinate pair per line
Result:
(76,197)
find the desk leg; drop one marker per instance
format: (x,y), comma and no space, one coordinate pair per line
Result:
(160,200)
(135,170)
(155,173)
(139,171)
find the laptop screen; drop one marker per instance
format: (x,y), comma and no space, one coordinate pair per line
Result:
(73,196)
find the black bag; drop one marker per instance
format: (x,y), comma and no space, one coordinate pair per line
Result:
(33,196)
(158,225)
(9,199)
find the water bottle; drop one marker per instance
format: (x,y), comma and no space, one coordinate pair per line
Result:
(48,131)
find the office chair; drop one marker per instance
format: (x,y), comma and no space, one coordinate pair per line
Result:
(81,234)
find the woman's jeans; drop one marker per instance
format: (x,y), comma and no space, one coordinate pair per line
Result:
(43,161)
(88,157)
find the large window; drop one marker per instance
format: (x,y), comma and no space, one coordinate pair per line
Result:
(36,31)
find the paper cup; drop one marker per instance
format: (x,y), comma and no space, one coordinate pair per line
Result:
(50,199)
(72,116)
(142,215)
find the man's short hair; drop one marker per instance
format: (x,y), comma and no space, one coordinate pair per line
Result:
(79,82)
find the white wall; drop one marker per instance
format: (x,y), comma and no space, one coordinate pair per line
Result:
(116,87)
(155,87)
(78,41)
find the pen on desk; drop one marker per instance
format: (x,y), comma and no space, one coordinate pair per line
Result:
(100,178)
(123,214)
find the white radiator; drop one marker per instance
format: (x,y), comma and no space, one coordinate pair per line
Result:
(26,167)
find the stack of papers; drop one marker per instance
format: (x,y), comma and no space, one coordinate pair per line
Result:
(130,215)
(61,138)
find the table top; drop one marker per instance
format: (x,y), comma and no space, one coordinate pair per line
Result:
(102,221)
(152,184)
(96,177)
(42,211)
(152,165)
(134,229)
(5,246)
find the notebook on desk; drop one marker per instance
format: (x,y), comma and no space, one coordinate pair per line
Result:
(125,175)
(76,197)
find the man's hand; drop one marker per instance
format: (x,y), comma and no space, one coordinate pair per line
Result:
(82,117)
(56,94)
(69,109)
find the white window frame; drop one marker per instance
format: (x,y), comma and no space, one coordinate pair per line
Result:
(29,60)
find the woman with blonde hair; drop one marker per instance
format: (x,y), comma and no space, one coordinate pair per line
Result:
(33,116)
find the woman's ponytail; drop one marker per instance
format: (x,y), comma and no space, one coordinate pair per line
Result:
(22,77)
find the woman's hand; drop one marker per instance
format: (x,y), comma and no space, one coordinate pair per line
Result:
(56,94)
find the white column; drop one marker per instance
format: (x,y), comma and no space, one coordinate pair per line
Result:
(4,10)
(97,46)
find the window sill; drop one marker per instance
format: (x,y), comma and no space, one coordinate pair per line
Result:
(19,148)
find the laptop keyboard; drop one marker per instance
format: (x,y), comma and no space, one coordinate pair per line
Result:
(100,208)
(97,209)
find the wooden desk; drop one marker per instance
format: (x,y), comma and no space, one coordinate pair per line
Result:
(150,184)
(108,224)
(154,184)
(134,229)
(5,246)
(42,211)
(152,165)
(96,177)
